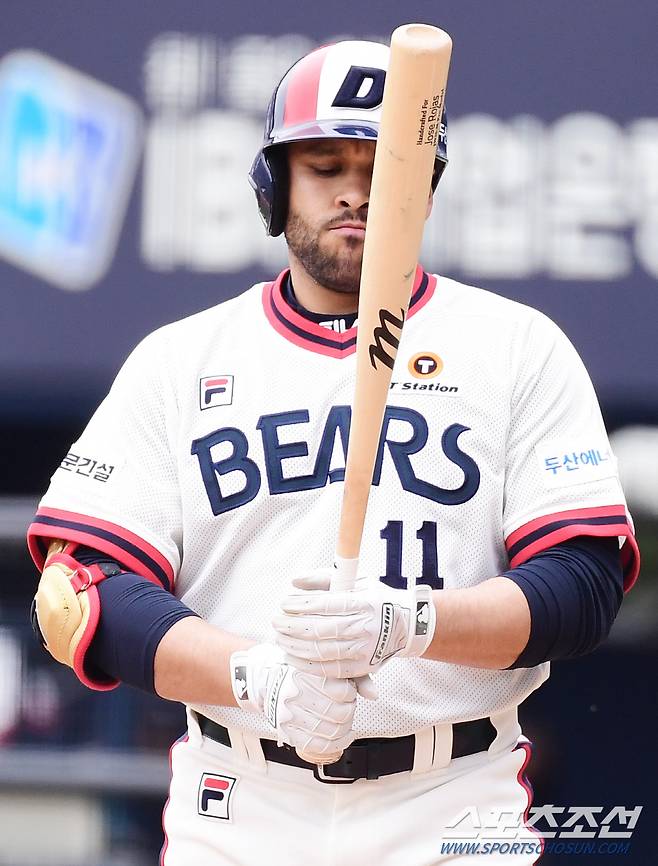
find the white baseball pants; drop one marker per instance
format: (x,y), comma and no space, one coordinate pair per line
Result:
(229,806)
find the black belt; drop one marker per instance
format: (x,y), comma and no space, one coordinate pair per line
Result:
(369,758)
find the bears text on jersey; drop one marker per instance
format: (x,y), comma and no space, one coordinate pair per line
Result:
(241,459)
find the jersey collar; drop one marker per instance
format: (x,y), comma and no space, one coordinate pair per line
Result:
(309,335)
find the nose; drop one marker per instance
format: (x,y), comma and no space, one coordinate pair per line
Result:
(354,193)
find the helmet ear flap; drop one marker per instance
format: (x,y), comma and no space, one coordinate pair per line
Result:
(441,152)
(439,168)
(268,177)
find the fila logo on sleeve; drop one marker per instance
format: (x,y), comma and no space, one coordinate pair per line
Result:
(215,391)
(215,796)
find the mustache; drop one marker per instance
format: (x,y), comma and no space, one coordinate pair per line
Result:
(347,216)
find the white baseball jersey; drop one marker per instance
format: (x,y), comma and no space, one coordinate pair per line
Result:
(215,466)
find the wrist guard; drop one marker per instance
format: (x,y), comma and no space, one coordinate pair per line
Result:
(422,622)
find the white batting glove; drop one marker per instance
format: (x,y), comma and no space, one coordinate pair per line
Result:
(310,712)
(352,633)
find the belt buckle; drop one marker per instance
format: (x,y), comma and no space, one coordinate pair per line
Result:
(354,761)
(321,776)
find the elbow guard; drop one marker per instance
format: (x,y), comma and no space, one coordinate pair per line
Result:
(66,608)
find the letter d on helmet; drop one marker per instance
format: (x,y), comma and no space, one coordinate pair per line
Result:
(333,92)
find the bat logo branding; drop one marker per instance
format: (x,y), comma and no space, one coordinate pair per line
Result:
(383,334)
(215,795)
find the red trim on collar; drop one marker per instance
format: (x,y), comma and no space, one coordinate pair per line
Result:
(309,335)
(312,328)
(426,296)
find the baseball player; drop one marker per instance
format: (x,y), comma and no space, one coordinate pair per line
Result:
(209,479)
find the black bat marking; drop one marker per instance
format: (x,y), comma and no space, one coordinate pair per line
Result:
(382,334)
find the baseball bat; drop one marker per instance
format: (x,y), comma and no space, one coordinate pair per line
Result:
(413,99)
(412,107)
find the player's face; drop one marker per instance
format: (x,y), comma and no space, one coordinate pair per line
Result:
(328,208)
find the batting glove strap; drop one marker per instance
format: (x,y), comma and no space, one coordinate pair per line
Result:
(312,713)
(422,622)
(253,673)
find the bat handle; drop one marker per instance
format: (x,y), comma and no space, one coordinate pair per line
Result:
(344,577)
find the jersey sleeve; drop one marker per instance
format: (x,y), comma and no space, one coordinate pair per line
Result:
(560,474)
(116,490)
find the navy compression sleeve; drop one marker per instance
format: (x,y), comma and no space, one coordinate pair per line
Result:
(135,616)
(574,591)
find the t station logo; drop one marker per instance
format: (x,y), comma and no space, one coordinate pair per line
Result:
(424,367)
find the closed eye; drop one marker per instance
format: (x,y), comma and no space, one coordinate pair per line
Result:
(327,171)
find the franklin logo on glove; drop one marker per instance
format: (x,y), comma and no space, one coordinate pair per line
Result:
(381,653)
(351,634)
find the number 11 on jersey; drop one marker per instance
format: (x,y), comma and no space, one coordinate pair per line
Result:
(392,534)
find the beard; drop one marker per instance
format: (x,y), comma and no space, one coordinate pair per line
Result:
(339,269)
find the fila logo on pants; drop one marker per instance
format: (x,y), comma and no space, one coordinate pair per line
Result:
(215,796)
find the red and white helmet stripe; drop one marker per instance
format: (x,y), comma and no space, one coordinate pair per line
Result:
(309,89)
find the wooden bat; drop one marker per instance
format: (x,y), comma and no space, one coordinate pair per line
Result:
(412,108)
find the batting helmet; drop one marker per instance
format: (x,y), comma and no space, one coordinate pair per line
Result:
(333,92)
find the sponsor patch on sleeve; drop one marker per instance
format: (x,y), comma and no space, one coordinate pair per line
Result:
(566,462)
(97,468)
